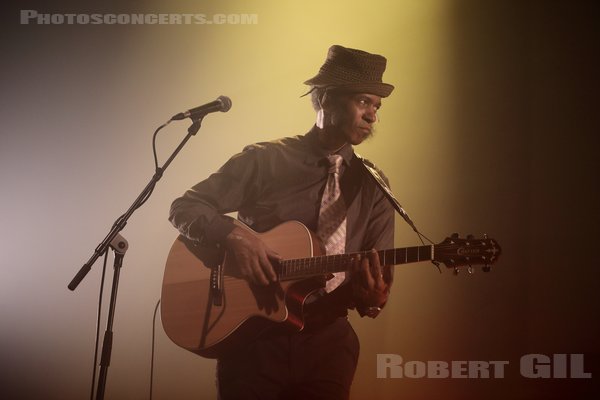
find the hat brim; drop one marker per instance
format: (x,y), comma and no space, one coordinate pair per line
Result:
(377,88)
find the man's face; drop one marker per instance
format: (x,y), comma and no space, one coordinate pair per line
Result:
(354,116)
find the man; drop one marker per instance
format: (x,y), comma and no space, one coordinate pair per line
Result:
(315,179)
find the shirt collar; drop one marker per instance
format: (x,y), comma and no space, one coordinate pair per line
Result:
(319,153)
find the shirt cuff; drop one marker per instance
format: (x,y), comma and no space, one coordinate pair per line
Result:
(219,228)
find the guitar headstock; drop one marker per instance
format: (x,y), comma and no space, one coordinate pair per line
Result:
(456,252)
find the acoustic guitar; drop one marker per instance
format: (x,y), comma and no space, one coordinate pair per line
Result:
(209,309)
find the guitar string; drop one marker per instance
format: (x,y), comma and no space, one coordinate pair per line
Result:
(348,257)
(316,264)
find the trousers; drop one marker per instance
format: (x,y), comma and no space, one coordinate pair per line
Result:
(316,363)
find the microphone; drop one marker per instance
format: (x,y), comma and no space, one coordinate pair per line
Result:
(222,103)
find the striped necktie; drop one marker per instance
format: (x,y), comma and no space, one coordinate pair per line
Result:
(332,218)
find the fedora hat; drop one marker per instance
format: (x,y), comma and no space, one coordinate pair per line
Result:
(352,70)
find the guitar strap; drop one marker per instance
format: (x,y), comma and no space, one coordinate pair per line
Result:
(380,182)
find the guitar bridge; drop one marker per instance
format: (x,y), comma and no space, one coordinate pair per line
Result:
(216,285)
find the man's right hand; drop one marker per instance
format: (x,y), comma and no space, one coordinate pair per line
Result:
(252,256)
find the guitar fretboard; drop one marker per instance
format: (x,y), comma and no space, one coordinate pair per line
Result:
(321,265)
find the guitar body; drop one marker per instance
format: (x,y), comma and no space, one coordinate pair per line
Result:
(211,322)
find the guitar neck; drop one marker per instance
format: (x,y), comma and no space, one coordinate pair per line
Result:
(305,267)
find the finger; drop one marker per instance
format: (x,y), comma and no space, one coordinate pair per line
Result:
(243,266)
(273,255)
(267,268)
(374,259)
(376,270)
(248,272)
(365,272)
(257,272)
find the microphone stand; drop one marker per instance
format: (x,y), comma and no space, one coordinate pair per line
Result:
(120,245)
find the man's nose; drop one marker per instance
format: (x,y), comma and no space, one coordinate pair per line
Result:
(370,115)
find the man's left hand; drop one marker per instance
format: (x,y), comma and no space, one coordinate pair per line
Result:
(370,287)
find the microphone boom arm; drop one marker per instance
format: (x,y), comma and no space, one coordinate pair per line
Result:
(122,220)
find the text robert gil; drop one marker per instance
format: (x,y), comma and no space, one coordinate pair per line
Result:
(530,366)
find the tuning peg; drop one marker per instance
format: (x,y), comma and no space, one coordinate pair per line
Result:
(487,268)
(485,236)
(470,237)
(470,269)
(454,236)
(456,270)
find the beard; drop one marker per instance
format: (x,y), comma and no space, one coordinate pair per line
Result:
(344,124)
